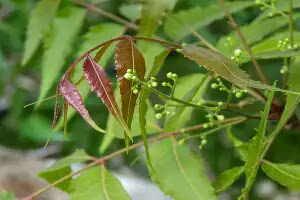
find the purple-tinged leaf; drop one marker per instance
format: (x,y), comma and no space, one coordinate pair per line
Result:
(101,85)
(73,98)
(128,57)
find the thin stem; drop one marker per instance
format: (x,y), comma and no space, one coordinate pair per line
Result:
(235,26)
(124,150)
(291,24)
(107,14)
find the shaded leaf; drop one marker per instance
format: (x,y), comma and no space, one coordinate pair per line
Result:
(227,44)
(189,88)
(128,57)
(59,44)
(241,147)
(97,184)
(96,35)
(72,96)
(256,149)
(198,17)
(131,11)
(285,174)
(114,130)
(158,62)
(62,168)
(179,172)
(101,85)
(39,24)
(227,178)
(153,12)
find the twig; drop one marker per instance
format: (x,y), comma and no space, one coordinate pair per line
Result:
(107,14)
(262,77)
(134,146)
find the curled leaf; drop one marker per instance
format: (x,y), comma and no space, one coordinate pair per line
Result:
(128,57)
(73,98)
(101,85)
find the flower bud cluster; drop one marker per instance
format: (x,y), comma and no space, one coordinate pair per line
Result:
(219,85)
(214,116)
(270,5)
(132,76)
(237,56)
(238,92)
(285,45)
(163,111)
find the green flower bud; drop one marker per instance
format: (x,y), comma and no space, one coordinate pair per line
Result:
(168,113)
(169,75)
(220,104)
(237,53)
(154,84)
(181,142)
(204,142)
(205,125)
(164,84)
(220,117)
(158,115)
(239,95)
(129,71)
(135,91)
(157,107)
(214,85)
(174,76)
(133,78)
(128,76)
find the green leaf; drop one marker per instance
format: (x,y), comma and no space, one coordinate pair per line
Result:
(227,44)
(199,17)
(273,55)
(131,11)
(4,195)
(97,184)
(62,168)
(179,172)
(256,149)
(152,14)
(143,108)
(227,178)
(241,147)
(39,24)
(158,62)
(96,35)
(285,174)
(59,44)
(197,83)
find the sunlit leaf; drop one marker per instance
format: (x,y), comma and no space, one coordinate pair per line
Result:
(72,96)
(285,174)
(4,195)
(59,44)
(131,11)
(227,178)
(62,168)
(97,184)
(179,172)
(95,35)
(199,17)
(39,24)
(256,149)
(128,57)
(101,85)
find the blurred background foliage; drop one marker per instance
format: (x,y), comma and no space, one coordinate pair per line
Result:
(29,128)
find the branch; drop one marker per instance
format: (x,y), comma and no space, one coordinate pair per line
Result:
(121,151)
(262,77)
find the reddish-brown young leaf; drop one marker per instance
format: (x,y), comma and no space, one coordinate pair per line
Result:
(101,85)
(55,109)
(128,57)
(73,98)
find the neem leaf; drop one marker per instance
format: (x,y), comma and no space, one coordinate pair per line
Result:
(256,149)
(97,184)
(62,168)
(152,13)
(227,178)
(39,24)
(101,85)
(179,172)
(58,45)
(198,17)
(224,67)
(128,57)
(285,174)
(4,195)
(72,96)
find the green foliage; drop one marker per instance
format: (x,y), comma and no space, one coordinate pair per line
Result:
(4,195)
(179,172)
(256,149)
(227,178)
(199,17)
(62,168)
(97,183)
(285,174)
(39,25)
(58,45)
